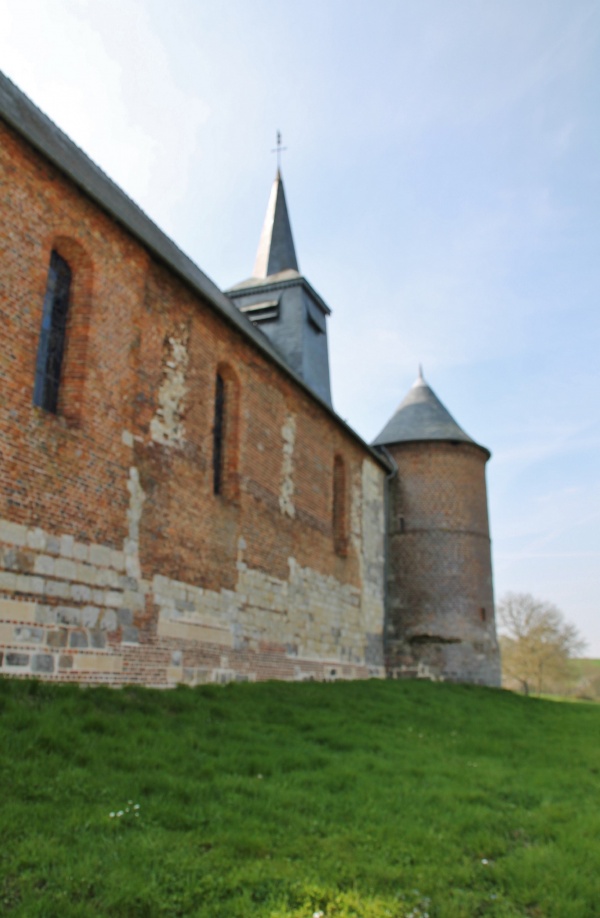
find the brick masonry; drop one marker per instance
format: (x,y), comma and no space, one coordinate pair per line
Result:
(118,562)
(441,604)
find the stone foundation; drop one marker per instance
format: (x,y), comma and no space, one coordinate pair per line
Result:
(71,611)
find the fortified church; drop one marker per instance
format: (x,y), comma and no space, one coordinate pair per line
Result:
(179,501)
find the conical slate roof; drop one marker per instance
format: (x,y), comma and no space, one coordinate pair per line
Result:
(276,251)
(421,416)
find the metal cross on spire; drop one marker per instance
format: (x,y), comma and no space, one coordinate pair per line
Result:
(279,150)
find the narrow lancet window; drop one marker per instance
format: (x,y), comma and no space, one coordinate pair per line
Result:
(218,435)
(340,523)
(51,345)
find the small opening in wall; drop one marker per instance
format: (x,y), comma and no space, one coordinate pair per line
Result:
(339,516)
(225,434)
(482,614)
(53,335)
(218,435)
(401,522)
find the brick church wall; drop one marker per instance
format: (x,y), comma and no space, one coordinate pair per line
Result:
(118,562)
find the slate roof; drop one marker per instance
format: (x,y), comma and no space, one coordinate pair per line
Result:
(37,129)
(422,417)
(288,278)
(276,250)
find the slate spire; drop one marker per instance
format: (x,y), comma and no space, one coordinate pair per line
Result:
(276,250)
(421,416)
(279,301)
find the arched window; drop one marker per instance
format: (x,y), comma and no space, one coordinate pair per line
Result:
(225,433)
(51,346)
(61,364)
(219,435)
(340,515)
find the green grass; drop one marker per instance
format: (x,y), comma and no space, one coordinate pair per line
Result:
(283,800)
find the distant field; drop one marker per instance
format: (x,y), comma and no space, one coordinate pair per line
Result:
(586,664)
(288,800)
(584,679)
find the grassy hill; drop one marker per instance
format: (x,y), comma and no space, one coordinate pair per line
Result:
(287,800)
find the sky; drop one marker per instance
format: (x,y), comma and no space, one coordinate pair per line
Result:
(442,174)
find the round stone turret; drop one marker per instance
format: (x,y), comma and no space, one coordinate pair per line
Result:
(440,594)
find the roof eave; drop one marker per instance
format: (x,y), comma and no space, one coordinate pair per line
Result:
(254,285)
(453,440)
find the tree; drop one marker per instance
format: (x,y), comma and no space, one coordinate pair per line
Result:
(536,642)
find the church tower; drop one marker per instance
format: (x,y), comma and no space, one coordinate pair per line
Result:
(441,603)
(281,302)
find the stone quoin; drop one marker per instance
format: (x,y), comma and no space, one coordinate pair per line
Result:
(179,502)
